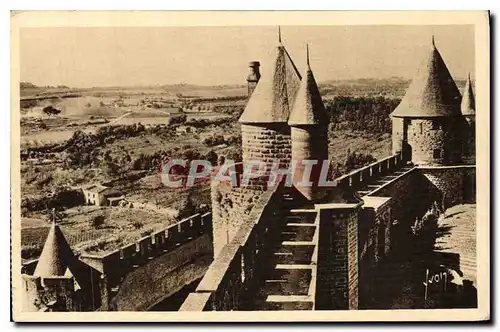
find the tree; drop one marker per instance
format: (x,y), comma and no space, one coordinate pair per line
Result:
(50,110)
(212,157)
(97,221)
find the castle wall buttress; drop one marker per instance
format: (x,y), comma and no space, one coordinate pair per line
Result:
(337,274)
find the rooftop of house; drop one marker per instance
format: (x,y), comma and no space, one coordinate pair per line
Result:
(96,188)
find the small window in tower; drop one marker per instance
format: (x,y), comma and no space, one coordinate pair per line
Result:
(436,125)
(421,128)
(437,153)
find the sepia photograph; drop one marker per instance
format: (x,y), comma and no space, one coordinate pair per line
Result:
(250,166)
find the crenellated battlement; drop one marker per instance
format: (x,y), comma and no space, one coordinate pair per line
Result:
(117,263)
(362,176)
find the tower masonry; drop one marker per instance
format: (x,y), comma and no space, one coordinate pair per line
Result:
(264,129)
(309,123)
(428,123)
(468,107)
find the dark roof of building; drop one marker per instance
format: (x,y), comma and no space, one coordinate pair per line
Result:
(56,256)
(468,105)
(273,97)
(432,93)
(96,188)
(308,108)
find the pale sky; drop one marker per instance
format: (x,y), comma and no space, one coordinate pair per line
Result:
(86,57)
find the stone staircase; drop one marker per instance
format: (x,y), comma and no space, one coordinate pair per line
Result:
(291,278)
(290,281)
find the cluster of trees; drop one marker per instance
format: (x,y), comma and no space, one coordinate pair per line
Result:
(357,160)
(352,162)
(83,149)
(219,139)
(234,110)
(360,113)
(201,123)
(195,99)
(177,119)
(156,160)
(50,110)
(61,198)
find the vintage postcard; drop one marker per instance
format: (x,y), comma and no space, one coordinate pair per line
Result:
(250,166)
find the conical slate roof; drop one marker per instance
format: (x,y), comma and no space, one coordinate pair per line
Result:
(432,93)
(468,99)
(308,108)
(56,256)
(273,96)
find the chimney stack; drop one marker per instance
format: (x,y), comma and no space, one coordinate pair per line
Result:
(253,76)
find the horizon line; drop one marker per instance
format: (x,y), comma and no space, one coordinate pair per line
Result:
(226,84)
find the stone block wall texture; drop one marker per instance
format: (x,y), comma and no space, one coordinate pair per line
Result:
(266,143)
(435,141)
(309,143)
(39,292)
(337,273)
(469,148)
(397,134)
(456,184)
(163,276)
(229,206)
(412,187)
(367,247)
(231,281)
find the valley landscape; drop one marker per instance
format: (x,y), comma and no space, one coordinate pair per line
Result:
(119,138)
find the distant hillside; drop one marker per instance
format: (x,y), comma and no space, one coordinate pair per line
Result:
(390,80)
(392,87)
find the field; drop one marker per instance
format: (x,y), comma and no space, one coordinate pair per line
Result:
(125,224)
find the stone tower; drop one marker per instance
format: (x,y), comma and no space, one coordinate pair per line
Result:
(53,286)
(309,125)
(264,129)
(427,124)
(253,76)
(468,107)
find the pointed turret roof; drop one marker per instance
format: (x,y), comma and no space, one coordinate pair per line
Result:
(468,99)
(273,96)
(432,93)
(308,108)
(56,257)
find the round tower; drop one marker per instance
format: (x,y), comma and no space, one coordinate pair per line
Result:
(468,107)
(309,125)
(427,124)
(253,76)
(264,129)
